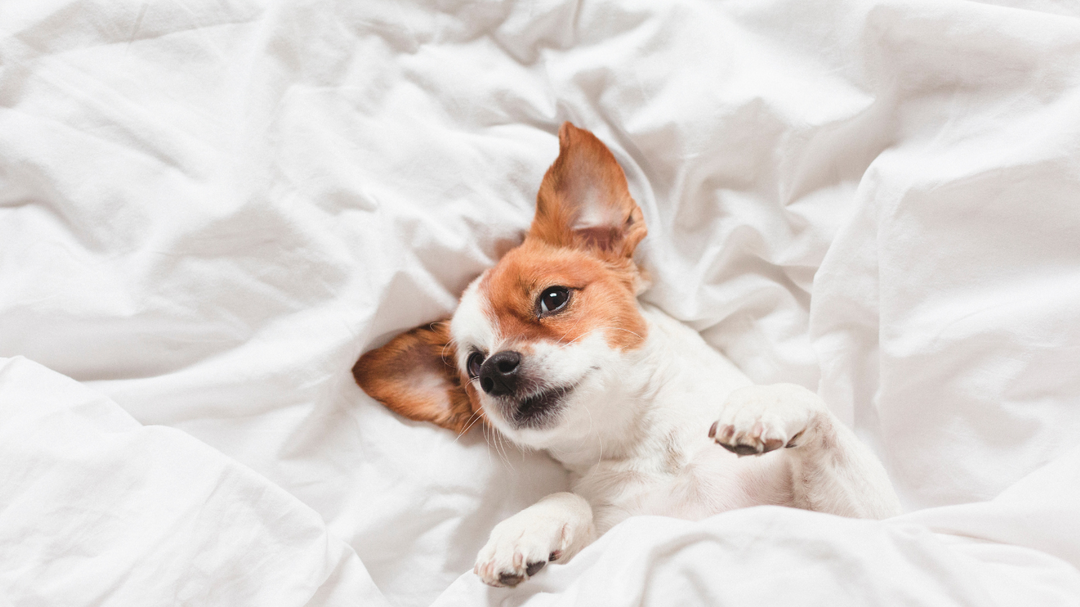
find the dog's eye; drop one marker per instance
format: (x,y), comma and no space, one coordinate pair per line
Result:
(553,299)
(476,359)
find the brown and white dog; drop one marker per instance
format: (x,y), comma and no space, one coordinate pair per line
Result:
(552,348)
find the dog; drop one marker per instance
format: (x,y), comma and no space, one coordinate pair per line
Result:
(551,348)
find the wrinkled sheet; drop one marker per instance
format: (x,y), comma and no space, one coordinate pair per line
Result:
(210,208)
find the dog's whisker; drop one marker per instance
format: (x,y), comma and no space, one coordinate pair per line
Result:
(601,328)
(451,344)
(503,452)
(575,339)
(560,341)
(469,423)
(625,330)
(497,444)
(494,440)
(475,417)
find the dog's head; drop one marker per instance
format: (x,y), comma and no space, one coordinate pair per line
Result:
(541,340)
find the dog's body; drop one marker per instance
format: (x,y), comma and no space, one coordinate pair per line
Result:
(552,349)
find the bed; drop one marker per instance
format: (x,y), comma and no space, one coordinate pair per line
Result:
(210,208)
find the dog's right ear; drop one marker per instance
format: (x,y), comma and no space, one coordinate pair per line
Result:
(415,375)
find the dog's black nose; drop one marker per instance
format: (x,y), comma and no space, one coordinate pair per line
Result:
(498,374)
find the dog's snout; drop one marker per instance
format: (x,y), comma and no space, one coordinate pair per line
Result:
(506,362)
(498,374)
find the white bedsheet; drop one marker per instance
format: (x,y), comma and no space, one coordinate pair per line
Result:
(209,209)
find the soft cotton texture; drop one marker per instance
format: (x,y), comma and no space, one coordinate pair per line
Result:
(209,209)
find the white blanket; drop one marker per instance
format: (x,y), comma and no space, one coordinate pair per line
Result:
(209,209)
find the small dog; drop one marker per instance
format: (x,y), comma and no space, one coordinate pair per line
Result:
(552,348)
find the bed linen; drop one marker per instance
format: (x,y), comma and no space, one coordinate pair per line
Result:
(210,208)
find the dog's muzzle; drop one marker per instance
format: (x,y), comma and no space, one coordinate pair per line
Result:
(523,401)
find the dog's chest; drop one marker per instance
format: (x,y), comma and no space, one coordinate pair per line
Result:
(691,479)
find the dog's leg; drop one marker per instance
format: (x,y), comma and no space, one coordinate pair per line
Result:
(831,469)
(553,529)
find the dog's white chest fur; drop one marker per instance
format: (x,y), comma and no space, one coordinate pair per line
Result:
(692,484)
(635,434)
(663,462)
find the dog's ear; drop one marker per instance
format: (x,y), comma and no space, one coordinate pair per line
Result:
(415,375)
(584,201)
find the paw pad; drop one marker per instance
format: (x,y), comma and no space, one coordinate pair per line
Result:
(760,419)
(510,579)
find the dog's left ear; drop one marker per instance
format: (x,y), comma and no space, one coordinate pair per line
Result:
(584,201)
(415,375)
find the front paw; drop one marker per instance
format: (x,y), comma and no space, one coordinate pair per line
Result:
(759,419)
(520,547)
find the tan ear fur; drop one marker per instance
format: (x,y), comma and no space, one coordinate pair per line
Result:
(415,376)
(584,201)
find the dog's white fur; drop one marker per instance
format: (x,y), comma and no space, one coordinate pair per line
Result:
(634,439)
(635,434)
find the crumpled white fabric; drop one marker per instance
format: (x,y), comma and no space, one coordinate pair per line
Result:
(96,509)
(209,209)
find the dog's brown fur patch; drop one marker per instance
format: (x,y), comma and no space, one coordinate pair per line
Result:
(415,375)
(602,297)
(586,174)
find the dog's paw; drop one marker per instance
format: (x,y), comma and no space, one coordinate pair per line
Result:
(759,419)
(521,546)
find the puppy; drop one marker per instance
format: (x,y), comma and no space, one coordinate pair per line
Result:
(552,348)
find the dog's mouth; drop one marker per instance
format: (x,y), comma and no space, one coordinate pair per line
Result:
(536,410)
